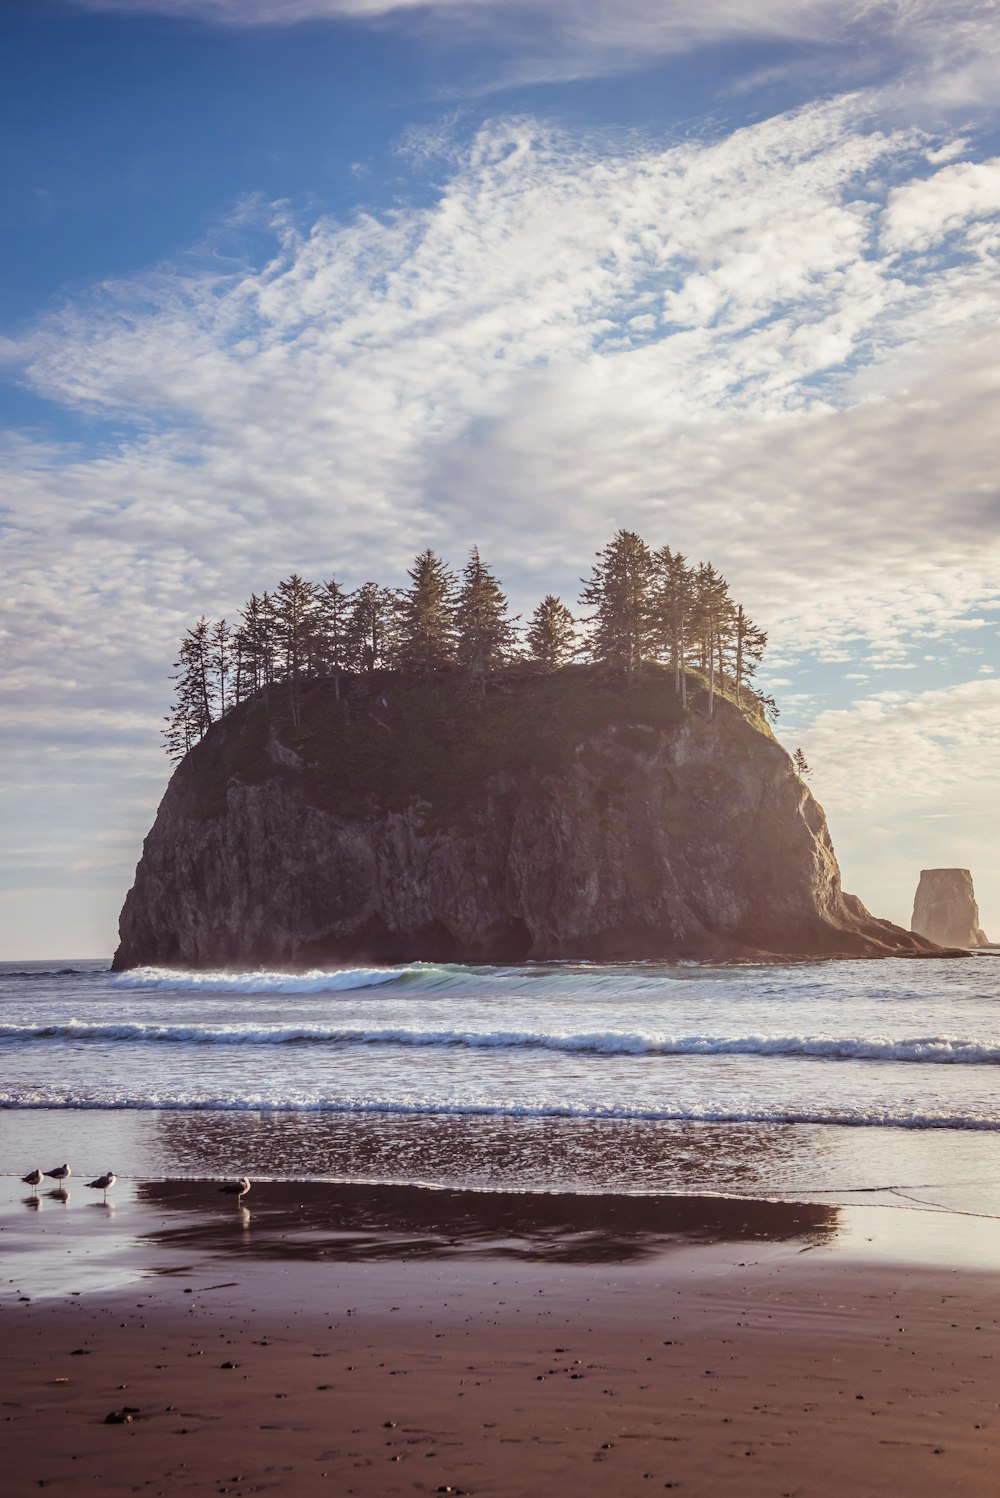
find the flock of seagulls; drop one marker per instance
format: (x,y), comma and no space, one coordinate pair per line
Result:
(61,1173)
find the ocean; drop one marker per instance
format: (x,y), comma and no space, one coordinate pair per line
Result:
(799,1081)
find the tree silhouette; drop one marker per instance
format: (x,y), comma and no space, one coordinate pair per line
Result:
(426,617)
(551,635)
(646,607)
(618,590)
(484,632)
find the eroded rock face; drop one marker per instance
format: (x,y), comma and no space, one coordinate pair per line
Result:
(689,839)
(945,909)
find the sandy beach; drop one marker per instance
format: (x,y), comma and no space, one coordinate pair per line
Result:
(364,1341)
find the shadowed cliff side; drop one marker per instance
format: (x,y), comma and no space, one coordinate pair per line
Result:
(555,817)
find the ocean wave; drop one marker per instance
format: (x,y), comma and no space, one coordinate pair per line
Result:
(929,1049)
(836,1117)
(316,980)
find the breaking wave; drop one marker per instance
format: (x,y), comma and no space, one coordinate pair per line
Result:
(316,980)
(929,1049)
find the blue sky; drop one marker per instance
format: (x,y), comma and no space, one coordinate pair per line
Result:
(315,283)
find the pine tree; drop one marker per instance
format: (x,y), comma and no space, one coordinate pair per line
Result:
(371,627)
(334,627)
(220,644)
(252,647)
(484,633)
(711,611)
(673,612)
(426,617)
(194,692)
(619,590)
(802,767)
(295,610)
(750,644)
(551,634)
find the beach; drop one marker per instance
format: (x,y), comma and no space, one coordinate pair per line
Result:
(556,1227)
(456,1342)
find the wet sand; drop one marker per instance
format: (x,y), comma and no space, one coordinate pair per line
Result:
(358,1341)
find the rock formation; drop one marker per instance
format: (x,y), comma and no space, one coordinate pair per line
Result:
(945,909)
(557,817)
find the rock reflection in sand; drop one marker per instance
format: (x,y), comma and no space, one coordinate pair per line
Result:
(351,1222)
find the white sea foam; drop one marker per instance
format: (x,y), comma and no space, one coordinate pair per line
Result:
(845,1116)
(316,980)
(928,1049)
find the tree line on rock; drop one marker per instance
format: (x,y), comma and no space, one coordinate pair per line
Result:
(646,606)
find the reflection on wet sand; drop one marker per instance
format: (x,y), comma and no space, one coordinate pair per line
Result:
(505,1152)
(318,1220)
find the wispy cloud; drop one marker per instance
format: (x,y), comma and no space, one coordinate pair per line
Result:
(944,49)
(717,340)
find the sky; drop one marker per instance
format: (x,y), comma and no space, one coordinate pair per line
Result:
(315,284)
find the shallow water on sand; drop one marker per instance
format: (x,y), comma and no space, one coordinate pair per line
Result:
(808,1079)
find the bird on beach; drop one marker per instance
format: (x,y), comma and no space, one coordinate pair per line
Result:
(103,1183)
(60,1174)
(33,1178)
(238,1188)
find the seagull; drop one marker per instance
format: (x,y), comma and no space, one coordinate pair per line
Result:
(238,1189)
(33,1178)
(60,1174)
(103,1183)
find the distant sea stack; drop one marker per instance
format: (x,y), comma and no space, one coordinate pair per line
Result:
(555,816)
(945,909)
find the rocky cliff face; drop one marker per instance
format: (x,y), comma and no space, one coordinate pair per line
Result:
(557,819)
(945,909)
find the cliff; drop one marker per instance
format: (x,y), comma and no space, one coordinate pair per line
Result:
(557,817)
(945,909)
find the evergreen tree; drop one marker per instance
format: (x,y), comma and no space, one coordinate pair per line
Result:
(619,590)
(253,647)
(426,617)
(711,611)
(220,645)
(802,767)
(295,610)
(194,691)
(750,644)
(371,625)
(484,633)
(334,628)
(673,612)
(551,634)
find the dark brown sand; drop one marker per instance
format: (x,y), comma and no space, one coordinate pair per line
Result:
(786,1373)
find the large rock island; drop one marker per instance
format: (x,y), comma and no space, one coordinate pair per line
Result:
(555,816)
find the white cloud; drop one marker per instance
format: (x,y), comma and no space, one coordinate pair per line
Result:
(708,342)
(921,213)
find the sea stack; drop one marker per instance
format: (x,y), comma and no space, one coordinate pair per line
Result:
(945,909)
(560,817)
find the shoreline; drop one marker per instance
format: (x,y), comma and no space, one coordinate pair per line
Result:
(253,1356)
